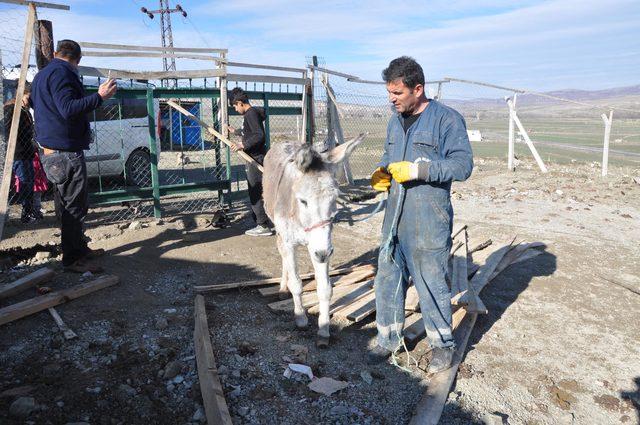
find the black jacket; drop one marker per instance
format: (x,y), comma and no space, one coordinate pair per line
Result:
(25,145)
(253,136)
(61,107)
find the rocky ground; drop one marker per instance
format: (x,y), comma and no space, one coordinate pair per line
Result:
(559,345)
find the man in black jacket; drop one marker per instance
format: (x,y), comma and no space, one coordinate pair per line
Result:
(254,144)
(62,129)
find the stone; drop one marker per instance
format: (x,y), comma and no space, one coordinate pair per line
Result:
(339,410)
(124,393)
(161,323)
(243,411)
(199,416)
(178,379)
(366,376)
(22,407)
(42,255)
(172,369)
(135,225)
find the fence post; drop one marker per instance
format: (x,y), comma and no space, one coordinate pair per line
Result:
(224,118)
(510,161)
(44,43)
(153,150)
(607,135)
(267,131)
(527,139)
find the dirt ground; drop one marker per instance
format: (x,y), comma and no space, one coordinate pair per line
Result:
(560,345)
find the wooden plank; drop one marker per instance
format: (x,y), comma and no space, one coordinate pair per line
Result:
(91,71)
(262,282)
(68,333)
(116,54)
(266,79)
(271,67)
(363,312)
(215,405)
(43,39)
(88,44)
(213,131)
(311,286)
(310,299)
(15,119)
(38,4)
(340,300)
(351,308)
(430,406)
(412,300)
(34,305)
(482,277)
(26,282)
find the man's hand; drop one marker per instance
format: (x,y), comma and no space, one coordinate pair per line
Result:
(107,89)
(231,129)
(381,180)
(237,147)
(405,171)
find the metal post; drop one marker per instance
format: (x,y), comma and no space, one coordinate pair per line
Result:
(511,156)
(153,150)
(224,118)
(607,135)
(267,132)
(439,93)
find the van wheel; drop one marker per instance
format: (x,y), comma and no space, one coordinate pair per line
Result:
(138,169)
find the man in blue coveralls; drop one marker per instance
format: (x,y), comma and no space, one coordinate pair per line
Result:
(426,149)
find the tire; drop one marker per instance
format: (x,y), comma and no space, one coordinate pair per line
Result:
(138,168)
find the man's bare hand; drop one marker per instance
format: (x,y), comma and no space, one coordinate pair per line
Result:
(107,89)
(236,147)
(231,129)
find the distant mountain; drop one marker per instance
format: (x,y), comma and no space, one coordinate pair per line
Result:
(582,95)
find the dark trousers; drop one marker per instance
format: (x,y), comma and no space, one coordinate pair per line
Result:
(23,169)
(254,181)
(68,172)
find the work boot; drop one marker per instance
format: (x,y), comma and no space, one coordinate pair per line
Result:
(259,230)
(377,354)
(91,254)
(82,266)
(441,359)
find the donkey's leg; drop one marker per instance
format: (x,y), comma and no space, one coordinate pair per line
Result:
(283,292)
(294,283)
(324,291)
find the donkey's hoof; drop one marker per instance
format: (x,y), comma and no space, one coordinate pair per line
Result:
(302,322)
(322,342)
(283,295)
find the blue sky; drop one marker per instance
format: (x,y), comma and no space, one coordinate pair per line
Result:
(540,45)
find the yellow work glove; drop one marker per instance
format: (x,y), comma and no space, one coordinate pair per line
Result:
(381,180)
(403,171)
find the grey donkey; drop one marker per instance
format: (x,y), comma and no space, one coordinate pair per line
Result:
(300,193)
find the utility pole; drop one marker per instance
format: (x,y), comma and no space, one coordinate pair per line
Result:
(165,11)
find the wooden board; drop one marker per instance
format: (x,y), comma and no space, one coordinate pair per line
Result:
(311,299)
(26,282)
(15,119)
(339,301)
(38,4)
(91,71)
(43,302)
(365,272)
(270,281)
(363,312)
(215,405)
(87,44)
(430,406)
(151,55)
(412,300)
(68,333)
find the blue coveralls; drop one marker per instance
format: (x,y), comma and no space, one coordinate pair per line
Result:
(416,233)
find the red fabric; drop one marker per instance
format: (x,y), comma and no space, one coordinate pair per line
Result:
(40,182)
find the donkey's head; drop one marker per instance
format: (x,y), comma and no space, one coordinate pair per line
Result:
(315,191)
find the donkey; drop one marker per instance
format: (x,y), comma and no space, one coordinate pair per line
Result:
(300,192)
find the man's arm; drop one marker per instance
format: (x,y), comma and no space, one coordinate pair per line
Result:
(457,163)
(64,97)
(253,132)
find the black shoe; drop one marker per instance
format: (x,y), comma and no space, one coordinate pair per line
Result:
(377,355)
(92,254)
(37,215)
(441,359)
(27,218)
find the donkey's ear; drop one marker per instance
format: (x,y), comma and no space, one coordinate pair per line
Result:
(306,158)
(342,152)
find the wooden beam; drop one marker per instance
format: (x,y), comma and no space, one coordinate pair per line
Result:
(90,71)
(43,302)
(43,36)
(15,119)
(356,309)
(213,131)
(215,405)
(430,406)
(310,299)
(270,281)
(38,4)
(26,282)
(109,54)
(338,300)
(88,44)
(271,67)
(266,79)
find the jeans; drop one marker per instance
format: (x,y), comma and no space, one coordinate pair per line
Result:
(23,169)
(254,181)
(68,172)
(428,269)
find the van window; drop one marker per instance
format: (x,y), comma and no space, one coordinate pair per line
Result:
(131,108)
